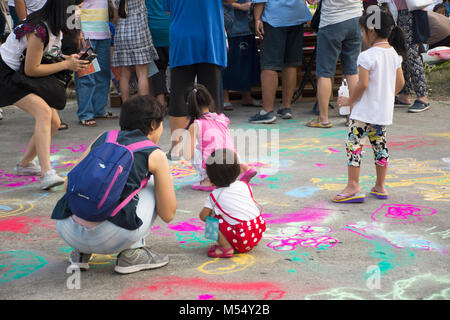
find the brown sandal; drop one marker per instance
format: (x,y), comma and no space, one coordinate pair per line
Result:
(88,123)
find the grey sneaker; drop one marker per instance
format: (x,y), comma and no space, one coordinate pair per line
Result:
(50,180)
(134,260)
(32,169)
(79,260)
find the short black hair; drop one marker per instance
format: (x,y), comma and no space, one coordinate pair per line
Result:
(222,167)
(141,112)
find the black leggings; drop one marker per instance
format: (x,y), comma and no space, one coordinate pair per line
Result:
(209,75)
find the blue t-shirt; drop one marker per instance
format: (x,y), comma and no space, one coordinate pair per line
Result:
(284,13)
(158,23)
(240,21)
(197,32)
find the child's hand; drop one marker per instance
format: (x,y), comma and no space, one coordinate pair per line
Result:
(343,101)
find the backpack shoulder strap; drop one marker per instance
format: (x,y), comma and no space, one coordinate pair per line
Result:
(145,144)
(112,136)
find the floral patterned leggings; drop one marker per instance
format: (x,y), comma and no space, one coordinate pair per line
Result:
(377,137)
(413,72)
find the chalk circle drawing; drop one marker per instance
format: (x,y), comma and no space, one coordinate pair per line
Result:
(401,213)
(14,207)
(15,265)
(28,228)
(424,287)
(97,260)
(178,288)
(236,263)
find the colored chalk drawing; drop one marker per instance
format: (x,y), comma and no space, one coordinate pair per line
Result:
(432,287)
(397,239)
(14,207)
(9,180)
(444,234)
(412,166)
(272,181)
(409,142)
(190,240)
(27,228)
(183,173)
(193,224)
(236,263)
(302,147)
(401,213)
(302,192)
(15,265)
(390,258)
(192,288)
(308,214)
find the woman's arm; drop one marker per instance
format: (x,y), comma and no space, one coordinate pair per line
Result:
(166,201)
(359,89)
(259,28)
(205,213)
(242,6)
(33,66)
(21,9)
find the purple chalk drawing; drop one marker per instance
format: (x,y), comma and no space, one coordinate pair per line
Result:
(8,180)
(205,297)
(401,213)
(306,214)
(320,165)
(333,150)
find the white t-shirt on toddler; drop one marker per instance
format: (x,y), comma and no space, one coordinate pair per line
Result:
(376,105)
(235,200)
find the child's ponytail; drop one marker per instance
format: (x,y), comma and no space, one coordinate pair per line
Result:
(198,97)
(397,40)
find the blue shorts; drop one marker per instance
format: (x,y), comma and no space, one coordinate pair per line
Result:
(341,39)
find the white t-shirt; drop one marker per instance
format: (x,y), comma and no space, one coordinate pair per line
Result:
(32,5)
(376,105)
(336,11)
(235,200)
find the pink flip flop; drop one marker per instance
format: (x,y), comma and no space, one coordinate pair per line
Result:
(249,175)
(199,187)
(225,253)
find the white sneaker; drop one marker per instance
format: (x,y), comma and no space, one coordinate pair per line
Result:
(32,169)
(50,180)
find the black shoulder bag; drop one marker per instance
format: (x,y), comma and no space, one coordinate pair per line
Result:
(51,88)
(315,21)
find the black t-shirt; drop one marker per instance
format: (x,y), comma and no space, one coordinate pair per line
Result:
(125,218)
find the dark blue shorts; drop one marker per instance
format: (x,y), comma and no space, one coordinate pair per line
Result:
(281,47)
(341,39)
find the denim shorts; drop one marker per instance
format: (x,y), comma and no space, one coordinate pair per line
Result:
(108,238)
(281,47)
(341,39)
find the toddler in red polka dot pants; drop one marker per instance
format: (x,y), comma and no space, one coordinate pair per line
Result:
(241,225)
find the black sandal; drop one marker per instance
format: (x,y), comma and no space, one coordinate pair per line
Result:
(63,126)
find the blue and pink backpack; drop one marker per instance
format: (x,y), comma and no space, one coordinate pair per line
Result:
(96,184)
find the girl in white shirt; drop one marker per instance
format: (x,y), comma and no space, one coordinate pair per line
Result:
(380,78)
(241,225)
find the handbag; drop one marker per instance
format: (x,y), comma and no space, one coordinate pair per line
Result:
(315,21)
(51,88)
(418,4)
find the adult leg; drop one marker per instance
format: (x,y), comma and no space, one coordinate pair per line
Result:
(329,44)
(125,75)
(289,83)
(269,86)
(46,123)
(210,75)
(142,76)
(85,88)
(103,77)
(413,67)
(181,78)
(159,80)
